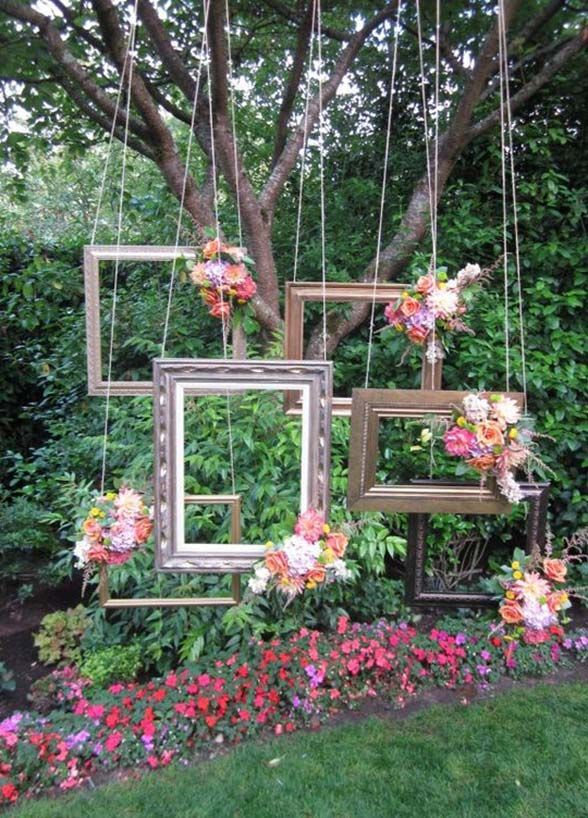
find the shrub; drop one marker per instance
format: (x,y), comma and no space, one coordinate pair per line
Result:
(7,683)
(115,664)
(58,639)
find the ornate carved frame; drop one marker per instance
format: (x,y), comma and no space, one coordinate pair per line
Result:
(175,379)
(535,494)
(93,255)
(298,293)
(364,494)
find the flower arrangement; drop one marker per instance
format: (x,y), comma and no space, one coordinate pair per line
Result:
(312,556)
(116,525)
(489,435)
(434,307)
(222,276)
(534,597)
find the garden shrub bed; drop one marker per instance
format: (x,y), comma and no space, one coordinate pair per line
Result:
(277,686)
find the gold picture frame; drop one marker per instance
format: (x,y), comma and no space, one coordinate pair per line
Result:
(298,293)
(369,406)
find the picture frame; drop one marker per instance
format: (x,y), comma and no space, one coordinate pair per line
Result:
(94,254)
(535,495)
(176,379)
(298,293)
(369,406)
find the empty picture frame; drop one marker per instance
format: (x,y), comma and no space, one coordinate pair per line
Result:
(299,293)
(536,495)
(176,379)
(93,255)
(369,406)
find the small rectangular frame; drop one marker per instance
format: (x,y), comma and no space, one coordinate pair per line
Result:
(537,497)
(93,255)
(364,494)
(232,500)
(176,378)
(299,292)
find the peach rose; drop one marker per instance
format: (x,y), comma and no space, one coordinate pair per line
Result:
(276,562)
(92,529)
(337,542)
(98,554)
(425,284)
(482,463)
(409,306)
(143,529)
(211,248)
(511,612)
(555,570)
(417,334)
(489,433)
(317,574)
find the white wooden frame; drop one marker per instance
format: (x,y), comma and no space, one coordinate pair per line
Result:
(176,379)
(93,255)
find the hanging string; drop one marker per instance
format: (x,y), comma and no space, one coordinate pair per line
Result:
(322,178)
(501,63)
(383,193)
(514,207)
(304,142)
(129,54)
(184,183)
(233,124)
(225,321)
(434,211)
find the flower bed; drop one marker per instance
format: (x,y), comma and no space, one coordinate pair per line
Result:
(276,686)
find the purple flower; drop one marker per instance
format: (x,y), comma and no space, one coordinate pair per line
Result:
(483,670)
(567,643)
(486,655)
(215,272)
(461,639)
(97,749)
(296,701)
(76,738)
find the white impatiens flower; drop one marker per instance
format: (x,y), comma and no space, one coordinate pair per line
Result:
(443,303)
(475,408)
(258,583)
(506,411)
(81,552)
(301,554)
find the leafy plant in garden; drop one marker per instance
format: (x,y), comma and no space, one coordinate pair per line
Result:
(58,639)
(120,663)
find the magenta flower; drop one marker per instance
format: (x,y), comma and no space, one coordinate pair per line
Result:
(459,442)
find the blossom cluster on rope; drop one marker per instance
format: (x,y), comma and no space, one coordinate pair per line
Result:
(221,274)
(435,307)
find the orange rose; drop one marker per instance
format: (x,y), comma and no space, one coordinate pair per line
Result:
(92,529)
(317,574)
(425,284)
(482,463)
(555,570)
(417,334)
(511,612)
(143,529)
(212,248)
(409,306)
(337,542)
(276,562)
(489,433)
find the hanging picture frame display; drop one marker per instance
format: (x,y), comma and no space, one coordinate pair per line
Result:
(300,293)
(175,381)
(445,587)
(94,256)
(365,493)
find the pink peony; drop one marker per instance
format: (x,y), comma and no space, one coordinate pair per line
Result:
(459,442)
(310,525)
(246,289)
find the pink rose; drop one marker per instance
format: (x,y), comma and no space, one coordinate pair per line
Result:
(409,306)
(459,442)
(555,570)
(246,289)
(392,315)
(337,542)
(417,334)
(425,284)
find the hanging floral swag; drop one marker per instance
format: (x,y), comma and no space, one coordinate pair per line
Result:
(311,557)
(434,308)
(117,524)
(221,273)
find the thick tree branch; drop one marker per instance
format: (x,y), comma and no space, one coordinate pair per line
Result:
(163,45)
(537,22)
(294,17)
(445,49)
(287,159)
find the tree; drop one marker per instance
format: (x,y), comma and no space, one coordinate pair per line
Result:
(72,60)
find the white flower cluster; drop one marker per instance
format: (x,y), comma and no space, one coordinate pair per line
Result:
(475,408)
(81,552)
(506,411)
(537,615)
(434,351)
(302,555)
(469,274)
(340,570)
(510,488)
(258,582)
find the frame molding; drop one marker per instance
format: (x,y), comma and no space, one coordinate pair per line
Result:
(536,495)
(364,494)
(177,378)
(93,255)
(299,292)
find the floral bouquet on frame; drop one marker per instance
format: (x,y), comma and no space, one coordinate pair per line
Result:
(117,525)
(311,557)
(222,276)
(434,308)
(489,435)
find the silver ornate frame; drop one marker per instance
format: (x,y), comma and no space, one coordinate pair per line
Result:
(93,255)
(537,497)
(174,379)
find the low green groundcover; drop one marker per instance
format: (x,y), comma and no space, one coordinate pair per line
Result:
(523,754)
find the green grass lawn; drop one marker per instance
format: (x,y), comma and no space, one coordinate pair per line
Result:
(523,755)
